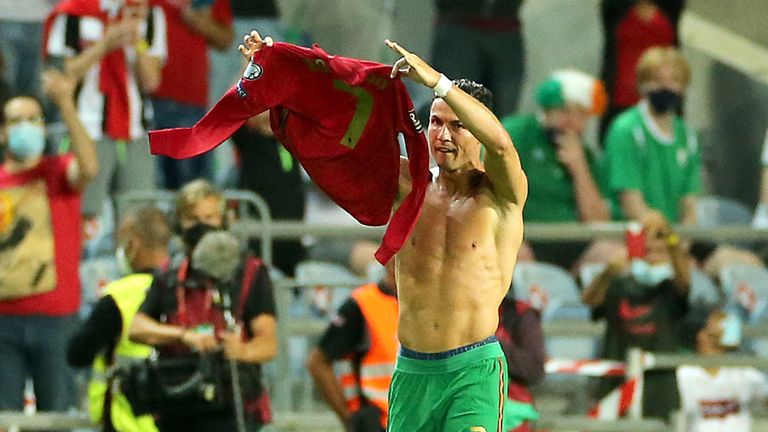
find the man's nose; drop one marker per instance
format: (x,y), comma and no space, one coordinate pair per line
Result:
(444,134)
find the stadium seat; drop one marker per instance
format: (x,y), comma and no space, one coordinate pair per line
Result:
(746,290)
(704,291)
(715,211)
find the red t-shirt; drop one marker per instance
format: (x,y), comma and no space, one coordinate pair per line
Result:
(339,117)
(633,37)
(40,236)
(185,74)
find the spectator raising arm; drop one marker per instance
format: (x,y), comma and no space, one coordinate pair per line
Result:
(61,89)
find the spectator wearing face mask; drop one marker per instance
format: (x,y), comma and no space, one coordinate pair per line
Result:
(653,161)
(717,399)
(642,301)
(563,168)
(40,245)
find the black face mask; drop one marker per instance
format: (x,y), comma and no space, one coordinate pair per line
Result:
(664,100)
(192,235)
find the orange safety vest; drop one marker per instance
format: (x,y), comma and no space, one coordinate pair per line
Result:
(376,366)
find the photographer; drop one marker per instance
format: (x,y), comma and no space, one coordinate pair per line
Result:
(214,306)
(642,302)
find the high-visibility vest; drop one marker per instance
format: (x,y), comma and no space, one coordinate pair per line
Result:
(379,312)
(128,293)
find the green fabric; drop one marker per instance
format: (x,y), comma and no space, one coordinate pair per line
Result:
(663,172)
(549,94)
(454,394)
(551,195)
(515,413)
(128,293)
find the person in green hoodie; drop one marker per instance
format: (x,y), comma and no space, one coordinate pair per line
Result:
(563,170)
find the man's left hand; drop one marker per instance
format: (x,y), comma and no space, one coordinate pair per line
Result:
(412,66)
(234,347)
(570,150)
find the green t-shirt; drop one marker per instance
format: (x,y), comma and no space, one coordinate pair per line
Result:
(639,158)
(551,196)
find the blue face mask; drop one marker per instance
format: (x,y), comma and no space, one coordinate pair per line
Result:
(26,140)
(731,326)
(650,275)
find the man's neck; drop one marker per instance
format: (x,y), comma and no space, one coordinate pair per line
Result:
(664,121)
(13,165)
(151,260)
(460,181)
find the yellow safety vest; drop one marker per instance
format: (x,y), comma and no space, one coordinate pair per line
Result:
(128,293)
(379,311)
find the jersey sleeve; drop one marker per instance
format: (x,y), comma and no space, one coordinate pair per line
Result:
(758,384)
(158,300)
(623,171)
(261,298)
(272,77)
(63,37)
(345,334)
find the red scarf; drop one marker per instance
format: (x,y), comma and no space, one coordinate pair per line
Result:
(113,71)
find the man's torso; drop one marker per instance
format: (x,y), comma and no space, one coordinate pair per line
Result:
(456,267)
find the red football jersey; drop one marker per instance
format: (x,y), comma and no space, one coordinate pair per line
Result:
(340,117)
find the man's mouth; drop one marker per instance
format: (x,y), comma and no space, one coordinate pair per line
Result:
(446,150)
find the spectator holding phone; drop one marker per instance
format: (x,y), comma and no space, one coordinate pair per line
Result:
(182,97)
(642,299)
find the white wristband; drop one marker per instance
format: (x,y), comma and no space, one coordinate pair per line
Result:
(443,86)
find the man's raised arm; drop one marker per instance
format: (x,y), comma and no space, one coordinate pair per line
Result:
(502,162)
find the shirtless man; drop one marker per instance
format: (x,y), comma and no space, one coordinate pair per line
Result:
(456,268)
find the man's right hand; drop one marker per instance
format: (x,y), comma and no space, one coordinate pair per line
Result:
(119,34)
(200,342)
(252,43)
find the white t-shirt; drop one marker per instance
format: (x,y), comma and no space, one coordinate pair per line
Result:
(69,35)
(721,402)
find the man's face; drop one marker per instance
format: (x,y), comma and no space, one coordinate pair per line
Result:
(452,145)
(570,118)
(21,109)
(207,210)
(665,77)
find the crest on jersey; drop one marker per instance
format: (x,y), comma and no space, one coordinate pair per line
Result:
(253,72)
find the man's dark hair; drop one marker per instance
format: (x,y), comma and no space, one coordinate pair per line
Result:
(476,90)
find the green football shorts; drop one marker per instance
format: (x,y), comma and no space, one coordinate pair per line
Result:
(461,390)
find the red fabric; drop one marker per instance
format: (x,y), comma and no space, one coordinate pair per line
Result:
(67,236)
(515,390)
(312,102)
(185,74)
(113,71)
(633,37)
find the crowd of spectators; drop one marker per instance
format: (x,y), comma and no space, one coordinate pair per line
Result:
(109,71)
